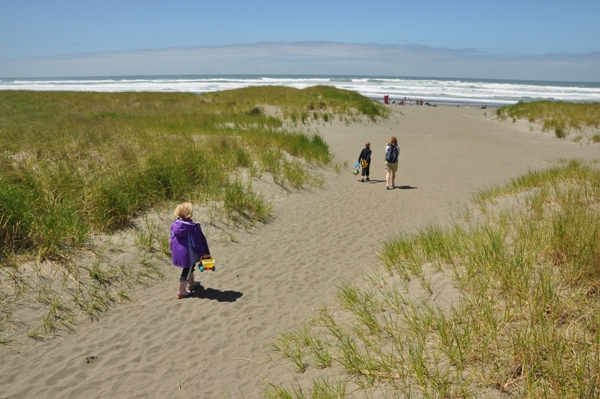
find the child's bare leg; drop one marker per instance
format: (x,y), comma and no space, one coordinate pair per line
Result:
(182,286)
(191,283)
(186,275)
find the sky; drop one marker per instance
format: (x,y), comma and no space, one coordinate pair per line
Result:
(529,40)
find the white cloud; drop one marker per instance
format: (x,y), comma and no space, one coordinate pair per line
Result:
(321,58)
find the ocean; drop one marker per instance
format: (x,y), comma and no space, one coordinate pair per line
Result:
(442,91)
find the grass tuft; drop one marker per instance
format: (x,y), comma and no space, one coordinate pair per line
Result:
(560,117)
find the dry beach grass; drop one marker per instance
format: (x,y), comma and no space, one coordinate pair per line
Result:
(272,278)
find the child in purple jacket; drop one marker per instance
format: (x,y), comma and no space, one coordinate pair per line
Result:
(188,246)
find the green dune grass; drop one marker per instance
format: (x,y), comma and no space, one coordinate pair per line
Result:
(559,117)
(77,162)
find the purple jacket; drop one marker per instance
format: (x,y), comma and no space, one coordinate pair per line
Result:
(188,243)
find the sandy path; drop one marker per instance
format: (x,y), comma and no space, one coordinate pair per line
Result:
(274,276)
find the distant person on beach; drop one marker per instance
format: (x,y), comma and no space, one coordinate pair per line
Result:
(364,159)
(188,246)
(391,162)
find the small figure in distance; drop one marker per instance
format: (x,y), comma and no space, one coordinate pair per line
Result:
(391,162)
(364,158)
(188,246)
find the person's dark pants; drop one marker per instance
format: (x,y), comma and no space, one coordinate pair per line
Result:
(365,171)
(186,272)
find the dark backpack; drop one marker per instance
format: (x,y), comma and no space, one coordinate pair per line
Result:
(391,154)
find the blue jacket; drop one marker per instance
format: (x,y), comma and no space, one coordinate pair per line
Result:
(188,243)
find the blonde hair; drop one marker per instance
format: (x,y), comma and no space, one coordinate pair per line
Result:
(184,211)
(393,140)
(367,144)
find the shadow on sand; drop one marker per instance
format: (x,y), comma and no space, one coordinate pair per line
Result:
(404,188)
(216,295)
(393,188)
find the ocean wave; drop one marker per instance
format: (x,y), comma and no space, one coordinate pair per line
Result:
(341,80)
(456,91)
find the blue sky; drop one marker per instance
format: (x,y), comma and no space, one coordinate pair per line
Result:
(546,40)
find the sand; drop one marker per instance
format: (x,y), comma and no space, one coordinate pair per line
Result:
(274,276)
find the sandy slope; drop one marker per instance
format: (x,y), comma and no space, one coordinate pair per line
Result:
(213,346)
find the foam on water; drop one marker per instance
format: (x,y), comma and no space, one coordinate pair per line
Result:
(434,90)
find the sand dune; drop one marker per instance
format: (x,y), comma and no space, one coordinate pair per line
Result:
(274,276)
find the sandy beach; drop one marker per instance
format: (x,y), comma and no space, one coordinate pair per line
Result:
(274,276)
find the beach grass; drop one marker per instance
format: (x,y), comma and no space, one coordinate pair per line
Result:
(74,165)
(520,320)
(558,117)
